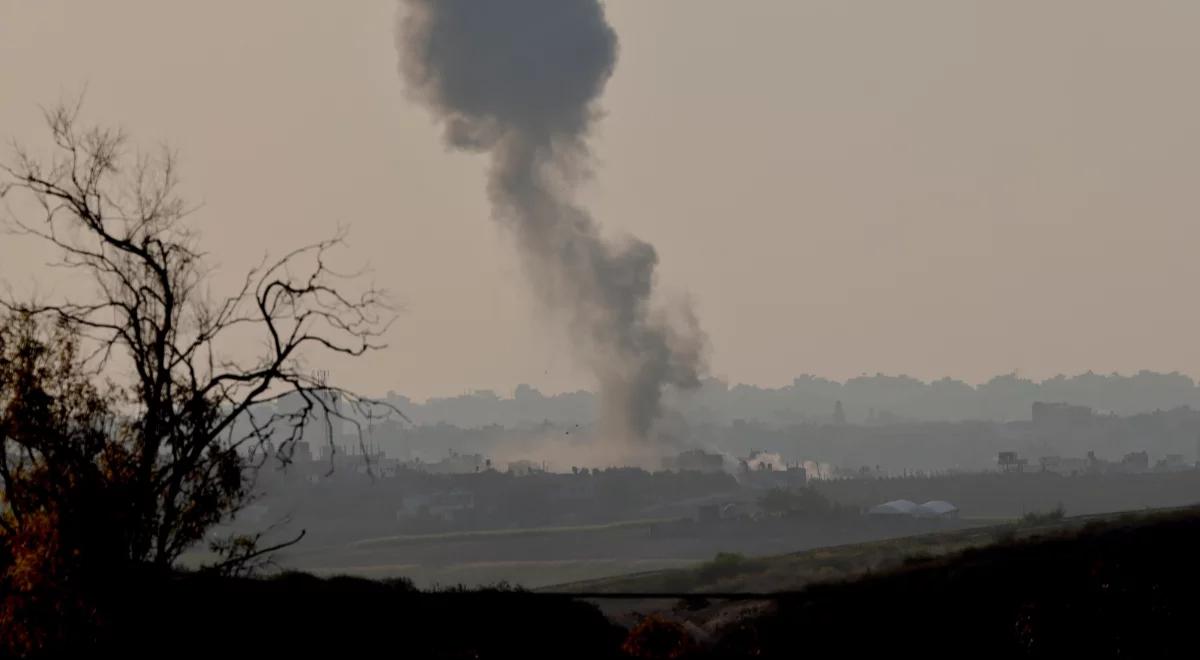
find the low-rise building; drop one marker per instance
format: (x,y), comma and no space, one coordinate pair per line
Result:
(695,460)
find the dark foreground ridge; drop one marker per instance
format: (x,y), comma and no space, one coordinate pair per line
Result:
(1122,587)
(1126,587)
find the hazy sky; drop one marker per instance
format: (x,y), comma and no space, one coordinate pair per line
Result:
(932,188)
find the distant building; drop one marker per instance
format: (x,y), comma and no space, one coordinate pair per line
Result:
(695,460)
(1009,461)
(1135,462)
(524,468)
(761,460)
(1066,466)
(1172,463)
(765,470)
(457,463)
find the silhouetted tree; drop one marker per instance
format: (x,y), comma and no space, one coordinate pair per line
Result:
(196,417)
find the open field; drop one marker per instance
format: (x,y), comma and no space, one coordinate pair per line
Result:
(367,557)
(793,571)
(540,557)
(675,551)
(528,574)
(503,534)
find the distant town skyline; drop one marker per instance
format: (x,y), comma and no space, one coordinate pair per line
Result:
(932,188)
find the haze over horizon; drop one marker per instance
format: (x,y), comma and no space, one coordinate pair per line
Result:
(859,188)
(509,392)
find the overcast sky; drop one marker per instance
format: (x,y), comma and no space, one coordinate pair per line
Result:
(930,188)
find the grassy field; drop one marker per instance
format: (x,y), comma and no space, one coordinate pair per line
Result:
(790,572)
(533,574)
(619,556)
(625,557)
(503,534)
(516,556)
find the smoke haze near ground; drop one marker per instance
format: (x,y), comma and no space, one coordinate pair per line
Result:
(518,81)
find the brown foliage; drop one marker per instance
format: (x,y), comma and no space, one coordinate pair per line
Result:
(99,476)
(62,508)
(656,638)
(197,415)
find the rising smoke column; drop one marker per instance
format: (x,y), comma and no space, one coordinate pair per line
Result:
(518,80)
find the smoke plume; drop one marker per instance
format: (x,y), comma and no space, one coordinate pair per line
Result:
(518,80)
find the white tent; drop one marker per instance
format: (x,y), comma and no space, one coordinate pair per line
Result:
(894,508)
(936,509)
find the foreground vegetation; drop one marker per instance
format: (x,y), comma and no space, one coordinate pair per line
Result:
(133,420)
(1118,585)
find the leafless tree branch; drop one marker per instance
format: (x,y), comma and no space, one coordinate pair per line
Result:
(198,424)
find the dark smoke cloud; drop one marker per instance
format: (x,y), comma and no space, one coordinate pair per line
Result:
(518,79)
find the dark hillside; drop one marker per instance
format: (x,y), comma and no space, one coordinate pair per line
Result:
(301,616)
(1125,588)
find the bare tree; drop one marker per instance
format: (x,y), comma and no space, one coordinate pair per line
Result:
(197,420)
